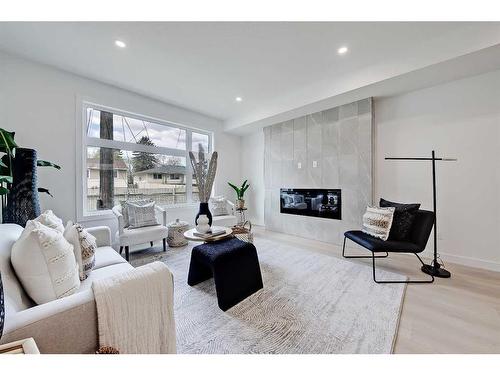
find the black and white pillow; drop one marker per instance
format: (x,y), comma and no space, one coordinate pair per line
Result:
(377,221)
(2,307)
(404,216)
(84,248)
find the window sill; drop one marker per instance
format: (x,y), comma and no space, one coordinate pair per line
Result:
(108,214)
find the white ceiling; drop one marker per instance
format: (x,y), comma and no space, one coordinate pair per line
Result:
(274,67)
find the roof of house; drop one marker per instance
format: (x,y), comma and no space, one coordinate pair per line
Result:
(93,163)
(165,169)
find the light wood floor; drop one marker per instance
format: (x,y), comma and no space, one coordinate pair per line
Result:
(456,315)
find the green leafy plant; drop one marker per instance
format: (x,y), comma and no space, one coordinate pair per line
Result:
(240,191)
(8,148)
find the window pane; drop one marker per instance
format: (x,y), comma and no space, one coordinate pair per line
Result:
(115,175)
(199,140)
(131,130)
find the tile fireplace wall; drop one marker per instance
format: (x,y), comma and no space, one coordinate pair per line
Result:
(328,149)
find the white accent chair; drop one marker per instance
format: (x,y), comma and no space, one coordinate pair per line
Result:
(225,220)
(127,237)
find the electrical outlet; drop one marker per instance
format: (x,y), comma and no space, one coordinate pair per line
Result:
(299,165)
(315,164)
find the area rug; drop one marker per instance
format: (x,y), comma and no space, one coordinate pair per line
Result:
(310,303)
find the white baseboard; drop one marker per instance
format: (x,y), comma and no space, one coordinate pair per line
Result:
(467,261)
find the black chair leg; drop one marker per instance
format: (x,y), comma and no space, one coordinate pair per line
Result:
(121,249)
(361,256)
(151,243)
(127,255)
(164,245)
(398,281)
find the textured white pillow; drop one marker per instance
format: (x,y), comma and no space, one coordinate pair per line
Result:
(141,214)
(84,246)
(124,205)
(218,206)
(49,219)
(377,221)
(44,263)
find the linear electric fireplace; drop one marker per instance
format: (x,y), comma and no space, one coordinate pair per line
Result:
(325,203)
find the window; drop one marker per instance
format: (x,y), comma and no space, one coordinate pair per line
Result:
(129,156)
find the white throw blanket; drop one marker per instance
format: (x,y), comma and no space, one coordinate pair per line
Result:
(135,310)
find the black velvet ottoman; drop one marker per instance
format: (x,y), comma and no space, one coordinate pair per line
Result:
(233,264)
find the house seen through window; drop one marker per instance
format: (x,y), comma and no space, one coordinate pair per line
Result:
(129,157)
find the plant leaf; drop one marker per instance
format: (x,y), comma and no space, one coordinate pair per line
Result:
(2,164)
(7,143)
(3,190)
(46,191)
(7,179)
(45,163)
(237,189)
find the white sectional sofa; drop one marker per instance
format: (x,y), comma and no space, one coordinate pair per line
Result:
(66,325)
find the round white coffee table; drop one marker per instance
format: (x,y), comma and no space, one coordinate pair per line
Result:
(189,234)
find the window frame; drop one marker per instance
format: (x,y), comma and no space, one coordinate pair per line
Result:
(82,212)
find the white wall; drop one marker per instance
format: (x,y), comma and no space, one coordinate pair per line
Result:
(41,105)
(252,168)
(459,119)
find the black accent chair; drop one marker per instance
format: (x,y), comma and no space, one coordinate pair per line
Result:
(420,232)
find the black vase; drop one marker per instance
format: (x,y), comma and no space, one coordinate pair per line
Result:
(204,211)
(22,201)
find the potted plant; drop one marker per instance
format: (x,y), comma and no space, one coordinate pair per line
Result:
(18,180)
(240,192)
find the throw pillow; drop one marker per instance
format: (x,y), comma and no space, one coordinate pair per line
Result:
(218,206)
(404,216)
(2,308)
(141,215)
(44,263)
(124,205)
(49,219)
(84,247)
(377,221)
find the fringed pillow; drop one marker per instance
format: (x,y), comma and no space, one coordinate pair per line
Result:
(84,247)
(377,221)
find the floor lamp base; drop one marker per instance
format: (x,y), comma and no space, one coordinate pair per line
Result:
(435,271)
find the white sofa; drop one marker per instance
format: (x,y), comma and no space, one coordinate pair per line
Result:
(66,325)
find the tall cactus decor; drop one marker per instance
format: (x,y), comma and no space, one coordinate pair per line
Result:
(204,173)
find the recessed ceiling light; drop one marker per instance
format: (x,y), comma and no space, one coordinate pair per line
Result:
(239,99)
(120,44)
(342,50)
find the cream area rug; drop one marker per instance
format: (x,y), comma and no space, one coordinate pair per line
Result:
(310,303)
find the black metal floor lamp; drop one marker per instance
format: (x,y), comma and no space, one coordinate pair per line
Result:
(434,268)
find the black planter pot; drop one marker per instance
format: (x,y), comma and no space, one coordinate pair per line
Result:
(204,211)
(22,201)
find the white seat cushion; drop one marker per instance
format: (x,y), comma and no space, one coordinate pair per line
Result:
(139,236)
(104,272)
(107,256)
